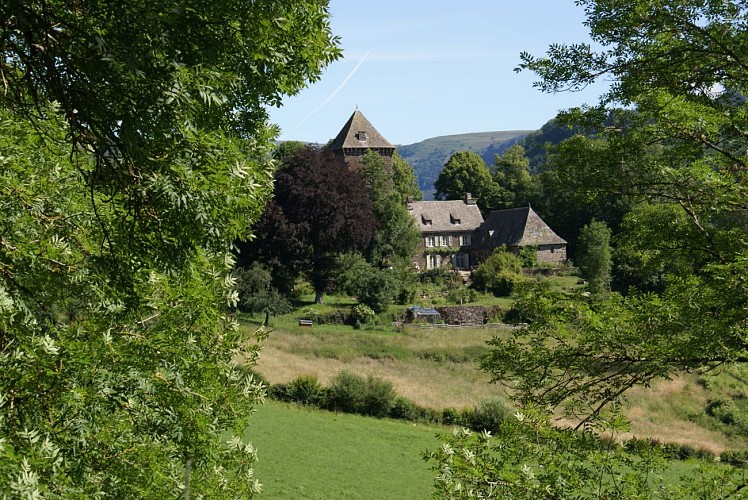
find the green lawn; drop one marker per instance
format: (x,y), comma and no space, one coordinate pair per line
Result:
(313,454)
(306,453)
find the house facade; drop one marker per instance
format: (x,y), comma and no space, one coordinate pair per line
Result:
(516,228)
(447,229)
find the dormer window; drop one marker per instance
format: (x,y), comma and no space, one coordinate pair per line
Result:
(425,221)
(361,135)
(453,220)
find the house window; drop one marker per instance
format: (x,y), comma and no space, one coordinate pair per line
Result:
(442,241)
(429,241)
(464,240)
(459,261)
(362,135)
(425,221)
(432,262)
(453,220)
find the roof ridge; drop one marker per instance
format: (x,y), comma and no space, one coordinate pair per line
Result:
(358,132)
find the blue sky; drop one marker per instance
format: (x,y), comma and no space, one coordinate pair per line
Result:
(425,68)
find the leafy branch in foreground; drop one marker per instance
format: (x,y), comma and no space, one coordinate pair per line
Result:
(671,144)
(134,150)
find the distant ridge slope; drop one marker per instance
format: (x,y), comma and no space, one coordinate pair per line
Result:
(429,156)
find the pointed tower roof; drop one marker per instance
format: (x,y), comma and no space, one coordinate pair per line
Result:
(359,133)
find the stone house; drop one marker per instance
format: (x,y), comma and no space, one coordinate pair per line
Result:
(356,138)
(447,229)
(516,228)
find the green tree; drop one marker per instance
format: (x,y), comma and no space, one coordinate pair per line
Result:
(134,149)
(404,179)
(397,235)
(374,287)
(466,172)
(287,148)
(677,152)
(511,171)
(256,294)
(593,256)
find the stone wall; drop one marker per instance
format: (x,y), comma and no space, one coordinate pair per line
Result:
(552,253)
(457,315)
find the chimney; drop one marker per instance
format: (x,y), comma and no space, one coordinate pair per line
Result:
(469,200)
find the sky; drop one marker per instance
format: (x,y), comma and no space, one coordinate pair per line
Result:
(426,68)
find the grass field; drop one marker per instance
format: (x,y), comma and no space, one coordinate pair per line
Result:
(313,454)
(434,368)
(438,368)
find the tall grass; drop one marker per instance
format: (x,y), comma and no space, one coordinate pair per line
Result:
(433,368)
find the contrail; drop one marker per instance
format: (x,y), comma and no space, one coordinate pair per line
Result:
(334,92)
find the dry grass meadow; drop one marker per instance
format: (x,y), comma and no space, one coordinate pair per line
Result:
(438,368)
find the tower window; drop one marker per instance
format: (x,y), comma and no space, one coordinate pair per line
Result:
(361,135)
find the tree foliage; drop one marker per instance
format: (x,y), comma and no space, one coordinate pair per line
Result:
(374,287)
(511,171)
(321,209)
(134,150)
(397,235)
(466,172)
(256,293)
(499,274)
(675,151)
(404,179)
(593,256)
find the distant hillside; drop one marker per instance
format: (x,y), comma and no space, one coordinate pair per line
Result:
(428,157)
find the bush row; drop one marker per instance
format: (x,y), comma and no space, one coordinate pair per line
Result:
(376,397)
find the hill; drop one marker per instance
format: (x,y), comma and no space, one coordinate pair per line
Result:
(429,156)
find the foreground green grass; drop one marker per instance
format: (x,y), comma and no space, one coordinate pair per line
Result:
(305,453)
(313,454)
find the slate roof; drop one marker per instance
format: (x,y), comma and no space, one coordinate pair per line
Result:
(445,216)
(359,133)
(516,227)
(423,311)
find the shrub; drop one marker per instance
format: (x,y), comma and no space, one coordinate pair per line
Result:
(404,409)
(311,314)
(438,276)
(736,458)
(729,413)
(427,414)
(255,293)
(351,393)
(374,287)
(451,416)
(280,392)
(462,295)
(377,290)
(528,256)
(307,390)
(499,274)
(346,392)
(405,296)
(361,314)
(489,415)
(379,398)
